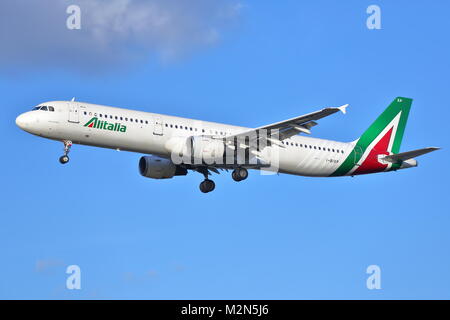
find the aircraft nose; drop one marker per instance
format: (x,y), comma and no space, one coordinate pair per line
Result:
(23,121)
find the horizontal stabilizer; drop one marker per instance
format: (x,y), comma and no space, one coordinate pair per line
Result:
(409,154)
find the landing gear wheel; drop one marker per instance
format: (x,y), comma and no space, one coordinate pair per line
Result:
(239,174)
(207,186)
(64,159)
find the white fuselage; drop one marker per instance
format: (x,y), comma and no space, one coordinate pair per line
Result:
(149,133)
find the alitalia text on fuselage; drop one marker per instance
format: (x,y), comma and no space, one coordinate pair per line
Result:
(105,125)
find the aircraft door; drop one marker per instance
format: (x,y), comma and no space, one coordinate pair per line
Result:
(158,126)
(357,153)
(74,114)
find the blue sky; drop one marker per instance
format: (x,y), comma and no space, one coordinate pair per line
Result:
(270,237)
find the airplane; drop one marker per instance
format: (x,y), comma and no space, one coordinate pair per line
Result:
(174,145)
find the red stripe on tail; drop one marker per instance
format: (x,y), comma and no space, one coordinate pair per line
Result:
(371,164)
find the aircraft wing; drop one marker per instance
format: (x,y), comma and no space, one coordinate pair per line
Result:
(291,127)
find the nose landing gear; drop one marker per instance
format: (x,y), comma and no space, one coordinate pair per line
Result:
(239,174)
(65,158)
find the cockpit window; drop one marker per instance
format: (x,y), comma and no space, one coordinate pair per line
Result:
(43,108)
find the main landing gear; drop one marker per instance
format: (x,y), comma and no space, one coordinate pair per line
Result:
(65,158)
(207,186)
(239,174)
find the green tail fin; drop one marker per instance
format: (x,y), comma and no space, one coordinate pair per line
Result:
(383,136)
(395,116)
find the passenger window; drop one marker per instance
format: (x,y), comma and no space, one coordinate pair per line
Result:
(126,119)
(203,130)
(115,117)
(146,122)
(142,121)
(51,109)
(85,113)
(100,115)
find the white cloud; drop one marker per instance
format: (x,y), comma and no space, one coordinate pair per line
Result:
(113,32)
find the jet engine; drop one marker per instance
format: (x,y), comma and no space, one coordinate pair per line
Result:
(159,168)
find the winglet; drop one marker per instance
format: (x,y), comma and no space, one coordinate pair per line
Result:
(343,108)
(73,99)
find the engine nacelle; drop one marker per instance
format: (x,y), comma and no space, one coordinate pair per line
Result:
(159,168)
